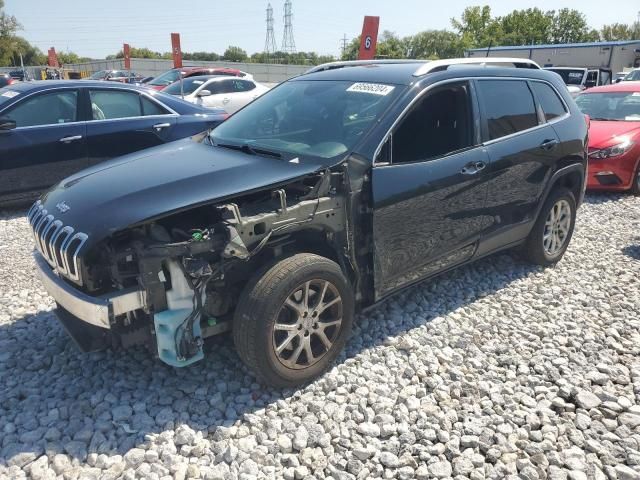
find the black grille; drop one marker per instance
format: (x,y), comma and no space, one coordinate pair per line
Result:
(59,244)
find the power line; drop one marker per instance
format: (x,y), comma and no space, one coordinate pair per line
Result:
(288,43)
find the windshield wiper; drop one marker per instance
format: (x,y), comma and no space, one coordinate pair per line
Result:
(246,148)
(600,119)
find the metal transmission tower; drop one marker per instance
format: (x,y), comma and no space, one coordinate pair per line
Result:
(288,43)
(270,42)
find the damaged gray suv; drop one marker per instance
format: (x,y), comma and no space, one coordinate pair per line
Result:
(326,195)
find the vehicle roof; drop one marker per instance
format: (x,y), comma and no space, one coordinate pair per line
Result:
(564,45)
(211,77)
(194,69)
(404,73)
(616,87)
(47,84)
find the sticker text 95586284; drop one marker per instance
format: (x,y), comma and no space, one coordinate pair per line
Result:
(374,88)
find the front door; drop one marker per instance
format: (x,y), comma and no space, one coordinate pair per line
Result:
(429,190)
(47,145)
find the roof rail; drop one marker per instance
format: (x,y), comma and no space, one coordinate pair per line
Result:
(440,65)
(360,63)
(429,66)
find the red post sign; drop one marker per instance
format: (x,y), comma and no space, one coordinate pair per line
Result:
(127,56)
(175,49)
(53,58)
(369,38)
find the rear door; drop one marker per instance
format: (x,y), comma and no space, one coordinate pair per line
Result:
(523,149)
(429,187)
(48,144)
(124,121)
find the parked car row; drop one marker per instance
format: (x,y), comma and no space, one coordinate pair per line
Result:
(52,129)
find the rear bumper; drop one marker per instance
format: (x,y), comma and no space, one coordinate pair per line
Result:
(97,311)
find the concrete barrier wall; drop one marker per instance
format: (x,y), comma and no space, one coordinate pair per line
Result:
(262,72)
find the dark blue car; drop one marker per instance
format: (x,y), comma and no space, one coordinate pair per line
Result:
(51,129)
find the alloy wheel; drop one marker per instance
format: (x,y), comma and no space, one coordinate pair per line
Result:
(557,227)
(308,324)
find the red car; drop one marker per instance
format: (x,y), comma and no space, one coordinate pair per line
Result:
(167,78)
(614,136)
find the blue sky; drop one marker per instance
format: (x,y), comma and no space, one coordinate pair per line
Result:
(96,28)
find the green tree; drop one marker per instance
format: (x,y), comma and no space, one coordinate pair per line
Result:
(570,26)
(352,49)
(526,27)
(8,27)
(392,46)
(477,28)
(235,54)
(30,55)
(435,44)
(617,31)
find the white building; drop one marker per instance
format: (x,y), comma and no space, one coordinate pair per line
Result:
(617,56)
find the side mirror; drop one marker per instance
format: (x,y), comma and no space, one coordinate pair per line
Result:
(619,79)
(204,93)
(7,124)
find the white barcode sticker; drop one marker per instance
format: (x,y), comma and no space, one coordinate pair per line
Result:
(373,88)
(10,94)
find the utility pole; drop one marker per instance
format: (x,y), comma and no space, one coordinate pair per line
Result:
(288,43)
(343,44)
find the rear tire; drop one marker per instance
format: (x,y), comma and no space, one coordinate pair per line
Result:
(548,240)
(293,319)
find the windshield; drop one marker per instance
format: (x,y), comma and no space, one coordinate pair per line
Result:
(633,76)
(623,106)
(189,85)
(308,118)
(98,75)
(167,78)
(569,77)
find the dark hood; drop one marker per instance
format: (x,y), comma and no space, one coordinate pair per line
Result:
(161,180)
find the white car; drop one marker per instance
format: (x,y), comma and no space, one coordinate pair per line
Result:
(228,93)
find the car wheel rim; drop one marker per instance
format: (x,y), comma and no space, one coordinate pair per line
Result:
(308,324)
(556,228)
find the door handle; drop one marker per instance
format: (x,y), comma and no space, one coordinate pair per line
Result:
(160,126)
(472,168)
(549,144)
(71,139)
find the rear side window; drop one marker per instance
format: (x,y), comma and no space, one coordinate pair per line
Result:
(551,104)
(45,109)
(508,107)
(109,104)
(151,108)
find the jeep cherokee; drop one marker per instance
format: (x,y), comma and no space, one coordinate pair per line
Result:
(326,195)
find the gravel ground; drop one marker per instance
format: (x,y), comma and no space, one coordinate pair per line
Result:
(496,370)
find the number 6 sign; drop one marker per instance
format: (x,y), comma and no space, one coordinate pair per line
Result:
(369,38)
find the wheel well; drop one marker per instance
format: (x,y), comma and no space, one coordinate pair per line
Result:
(573,182)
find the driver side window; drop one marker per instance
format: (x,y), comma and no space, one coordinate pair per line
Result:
(438,125)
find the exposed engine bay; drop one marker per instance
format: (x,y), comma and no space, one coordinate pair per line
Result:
(193,265)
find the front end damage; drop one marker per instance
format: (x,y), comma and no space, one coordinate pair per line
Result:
(172,282)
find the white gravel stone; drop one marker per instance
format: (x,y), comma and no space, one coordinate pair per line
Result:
(495,370)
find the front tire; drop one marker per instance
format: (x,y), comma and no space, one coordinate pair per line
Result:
(293,319)
(635,186)
(548,240)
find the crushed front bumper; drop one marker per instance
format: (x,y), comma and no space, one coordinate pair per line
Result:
(97,311)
